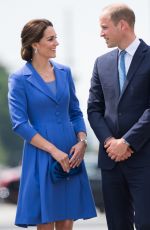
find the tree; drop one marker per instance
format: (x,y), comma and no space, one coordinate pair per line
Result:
(10,144)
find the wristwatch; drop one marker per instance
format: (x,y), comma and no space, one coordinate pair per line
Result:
(84,140)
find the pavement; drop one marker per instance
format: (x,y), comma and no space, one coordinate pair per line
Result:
(7,216)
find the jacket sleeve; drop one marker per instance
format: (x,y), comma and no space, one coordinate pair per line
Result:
(96,108)
(139,134)
(17,103)
(76,116)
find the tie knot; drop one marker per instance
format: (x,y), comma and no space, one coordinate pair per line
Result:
(123,52)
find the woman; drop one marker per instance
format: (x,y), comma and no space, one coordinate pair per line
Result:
(45,112)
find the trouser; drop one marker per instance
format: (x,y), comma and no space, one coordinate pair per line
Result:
(126,192)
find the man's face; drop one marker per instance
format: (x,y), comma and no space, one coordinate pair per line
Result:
(109,31)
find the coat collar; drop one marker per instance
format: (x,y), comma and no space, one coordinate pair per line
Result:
(34,78)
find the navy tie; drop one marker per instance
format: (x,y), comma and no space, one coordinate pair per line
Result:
(122,69)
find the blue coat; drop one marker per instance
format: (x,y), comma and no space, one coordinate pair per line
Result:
(122,115)
(34,109)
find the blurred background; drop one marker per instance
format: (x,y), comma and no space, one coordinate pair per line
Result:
(77,27)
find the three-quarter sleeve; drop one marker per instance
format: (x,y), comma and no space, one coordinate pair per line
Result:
(17,102)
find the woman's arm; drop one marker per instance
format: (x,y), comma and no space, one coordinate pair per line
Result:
(41,143)
(76,117)
(17,102)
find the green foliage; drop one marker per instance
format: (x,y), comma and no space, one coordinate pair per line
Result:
(10,144)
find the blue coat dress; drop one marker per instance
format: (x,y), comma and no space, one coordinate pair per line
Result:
(35,109)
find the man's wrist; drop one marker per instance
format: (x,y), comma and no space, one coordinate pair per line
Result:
(126,142)
(107,139)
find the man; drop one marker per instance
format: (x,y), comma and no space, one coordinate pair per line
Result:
(119,114)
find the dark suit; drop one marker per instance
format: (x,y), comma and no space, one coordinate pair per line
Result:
(126,115)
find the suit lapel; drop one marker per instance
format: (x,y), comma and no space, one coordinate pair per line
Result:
(137,59)
(113,71)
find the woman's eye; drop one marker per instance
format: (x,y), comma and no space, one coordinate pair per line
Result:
(52,38)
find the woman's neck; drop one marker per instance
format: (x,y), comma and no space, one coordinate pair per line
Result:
(45,69)
(41,64)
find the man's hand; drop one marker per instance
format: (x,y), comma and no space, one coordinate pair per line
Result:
(117,149)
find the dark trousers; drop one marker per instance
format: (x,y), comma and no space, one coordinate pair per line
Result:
(126,193)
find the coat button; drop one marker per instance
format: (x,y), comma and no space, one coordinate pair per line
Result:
(59,121)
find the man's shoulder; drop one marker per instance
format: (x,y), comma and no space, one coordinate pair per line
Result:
(107,57)
(111,53)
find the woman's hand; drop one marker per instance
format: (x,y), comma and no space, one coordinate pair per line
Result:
(62,158)
(41,143)
(77,152)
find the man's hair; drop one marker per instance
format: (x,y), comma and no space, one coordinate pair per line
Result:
(118,12)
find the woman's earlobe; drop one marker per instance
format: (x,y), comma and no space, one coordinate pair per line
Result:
(35,50)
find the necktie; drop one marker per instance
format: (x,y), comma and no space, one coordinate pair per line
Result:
(122,69)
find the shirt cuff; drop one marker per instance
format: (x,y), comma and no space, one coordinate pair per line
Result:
(126,142)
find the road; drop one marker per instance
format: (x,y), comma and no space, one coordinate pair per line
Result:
(7,215)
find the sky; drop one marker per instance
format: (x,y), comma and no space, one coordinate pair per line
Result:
(76,23)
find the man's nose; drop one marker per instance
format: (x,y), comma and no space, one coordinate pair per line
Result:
(101,33)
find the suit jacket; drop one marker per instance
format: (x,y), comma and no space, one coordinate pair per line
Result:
(124,115)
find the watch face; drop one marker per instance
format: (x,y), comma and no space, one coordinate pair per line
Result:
(84,140)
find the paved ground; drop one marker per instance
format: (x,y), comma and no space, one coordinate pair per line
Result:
(7,215)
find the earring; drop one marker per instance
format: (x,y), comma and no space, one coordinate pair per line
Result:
(35,50)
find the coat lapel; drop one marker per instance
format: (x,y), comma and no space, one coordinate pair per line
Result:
(35,79)
(61,80)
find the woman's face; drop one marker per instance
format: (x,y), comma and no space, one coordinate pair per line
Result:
(46,47)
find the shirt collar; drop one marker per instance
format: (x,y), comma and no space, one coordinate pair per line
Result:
(132,47)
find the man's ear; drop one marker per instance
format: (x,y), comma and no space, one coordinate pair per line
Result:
(123,25)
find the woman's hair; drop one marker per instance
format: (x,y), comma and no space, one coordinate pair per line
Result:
(32,32)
